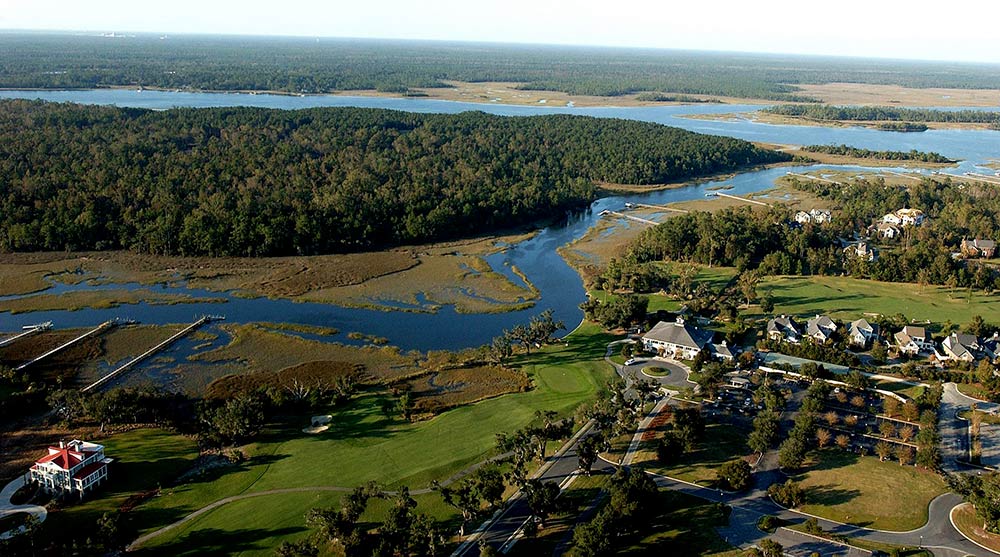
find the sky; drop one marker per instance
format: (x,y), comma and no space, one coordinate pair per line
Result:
(962,30)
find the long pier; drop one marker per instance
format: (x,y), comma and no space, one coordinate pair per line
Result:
(911,176)
(974,177)
(748,200)
(131,363)
(812,178)
(27,333)
(629,217)
(95,331)
(658,207)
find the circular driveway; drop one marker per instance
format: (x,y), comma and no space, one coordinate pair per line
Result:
(676,380)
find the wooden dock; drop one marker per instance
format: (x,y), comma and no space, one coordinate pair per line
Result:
(973,177)
(812,178)
(657,207)
(95,331)
(628,217)
(912,176)
(148,353)
(28,331)
(745,199)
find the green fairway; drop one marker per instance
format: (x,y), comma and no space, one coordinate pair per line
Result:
(861,490)
(848,299)
(362,444)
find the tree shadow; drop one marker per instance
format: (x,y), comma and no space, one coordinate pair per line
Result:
(216,542)
(830,495)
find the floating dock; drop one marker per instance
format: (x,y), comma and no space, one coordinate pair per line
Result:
(95,331)
(28,331)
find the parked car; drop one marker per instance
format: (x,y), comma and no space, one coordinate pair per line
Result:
(630,361)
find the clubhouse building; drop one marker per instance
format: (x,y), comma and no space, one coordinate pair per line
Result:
(77,467)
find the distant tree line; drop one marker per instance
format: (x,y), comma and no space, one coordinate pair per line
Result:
(307,65)
(885,113)
(912,155)
(255,182)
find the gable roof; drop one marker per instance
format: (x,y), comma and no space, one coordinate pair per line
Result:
(782,324)
(914,331)
(861,325)
(680,334)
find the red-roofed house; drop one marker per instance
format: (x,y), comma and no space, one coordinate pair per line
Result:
(74,467)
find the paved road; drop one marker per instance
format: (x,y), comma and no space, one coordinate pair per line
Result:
(6,507)
(937,534)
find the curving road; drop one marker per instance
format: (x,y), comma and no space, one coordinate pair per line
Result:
(6,507)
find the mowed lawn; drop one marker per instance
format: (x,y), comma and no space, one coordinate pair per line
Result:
(860,490)
(848,299)
(364,445)
(721,443)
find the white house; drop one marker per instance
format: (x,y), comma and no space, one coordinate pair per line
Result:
(783,328)
(905,217)
(819,216)
(820,328)
(912,340)
(861,332)
(887,230)
(677,340)
(72,468)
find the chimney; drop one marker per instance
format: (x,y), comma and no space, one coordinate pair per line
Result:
(62,444)
(680,321)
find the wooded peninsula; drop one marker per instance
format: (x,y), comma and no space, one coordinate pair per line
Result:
(255,182)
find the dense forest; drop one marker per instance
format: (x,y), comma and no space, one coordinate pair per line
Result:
(885,114)
(767,240)
(250,181)
(307,65)
(912,155)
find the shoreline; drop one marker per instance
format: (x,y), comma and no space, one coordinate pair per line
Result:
(509,94)
(761,117)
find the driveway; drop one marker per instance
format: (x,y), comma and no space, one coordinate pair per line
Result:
(6,507)
(675,381)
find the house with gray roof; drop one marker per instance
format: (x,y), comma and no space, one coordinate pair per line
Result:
(820,328)
(912,340)
(861,332)
(678,339)
(783,328)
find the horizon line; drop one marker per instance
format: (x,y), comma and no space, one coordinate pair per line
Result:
(167,34)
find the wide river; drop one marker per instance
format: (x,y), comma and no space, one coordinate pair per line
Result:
(560,287)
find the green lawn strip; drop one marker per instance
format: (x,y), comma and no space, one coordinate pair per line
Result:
(720,444)
(849,299)
(362,444)
(144,459)
(909,391)
(972,527)
(574,501)
(685,525)
(868,544)
(857,490)
(254,527)
(974,390)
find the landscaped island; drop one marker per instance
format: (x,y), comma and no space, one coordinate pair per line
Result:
(252,182)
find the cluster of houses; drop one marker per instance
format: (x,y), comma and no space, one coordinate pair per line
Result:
(911,340)
(818,216)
